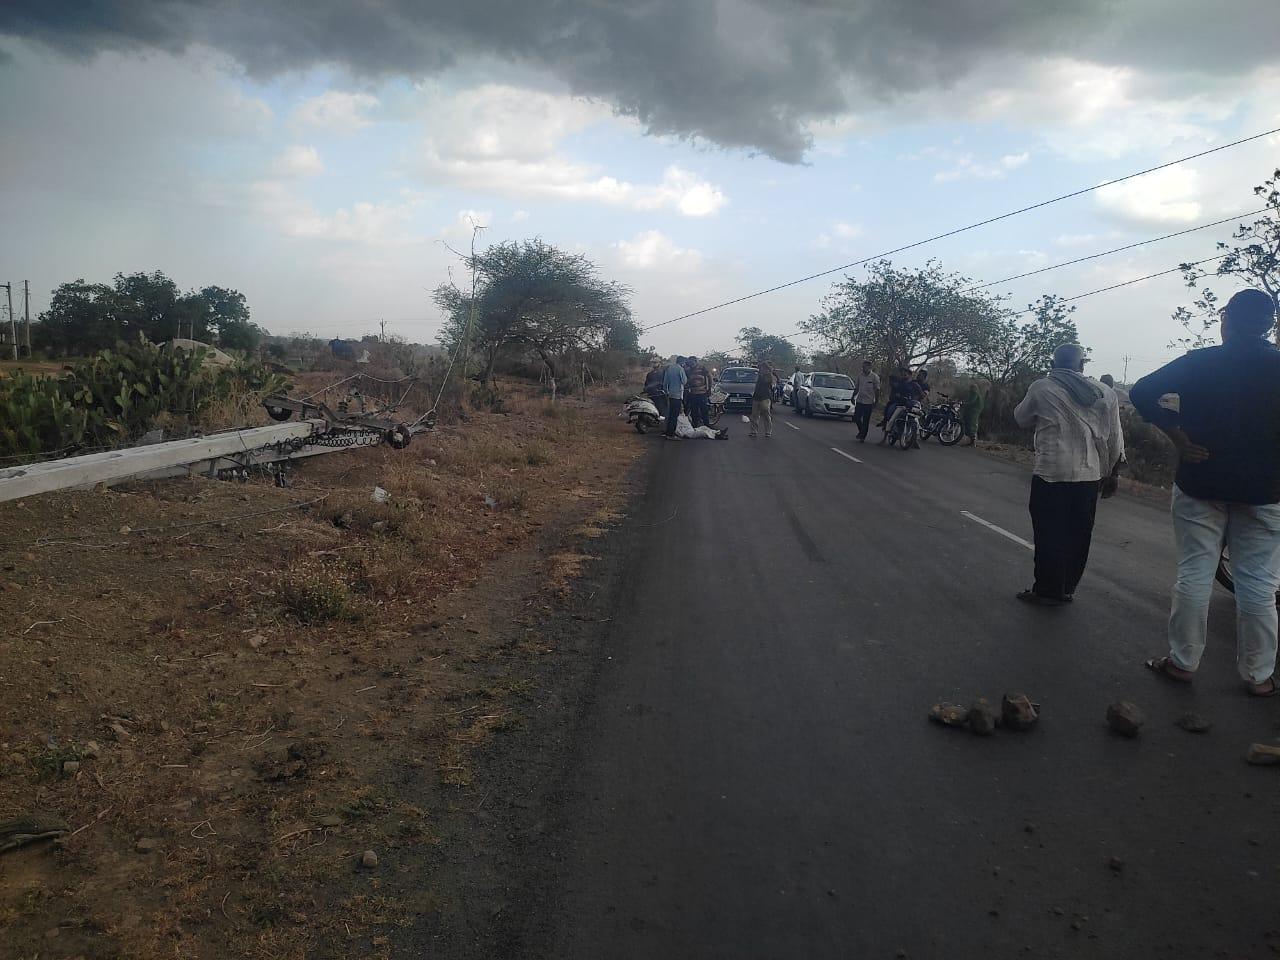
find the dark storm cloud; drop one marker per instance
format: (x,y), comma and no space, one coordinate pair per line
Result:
(739,73)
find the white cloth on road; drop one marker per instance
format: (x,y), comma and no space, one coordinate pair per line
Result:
(1252,532)
(686,429)
(1073,443)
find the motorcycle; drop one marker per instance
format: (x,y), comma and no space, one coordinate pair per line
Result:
(642,410)
(716,406)
(905,430)
(943,421)
(1224,576)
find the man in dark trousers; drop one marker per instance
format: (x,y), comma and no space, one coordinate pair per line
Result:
(866,393)
(1227,491)
(698,393)
(673,380)
(1079,448)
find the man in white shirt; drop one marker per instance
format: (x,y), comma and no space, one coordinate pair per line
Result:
(1079,448)
(866,393)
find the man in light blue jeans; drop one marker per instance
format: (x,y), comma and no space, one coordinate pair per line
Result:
(1227,431)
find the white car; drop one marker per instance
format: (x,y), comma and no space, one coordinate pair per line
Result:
(830,394)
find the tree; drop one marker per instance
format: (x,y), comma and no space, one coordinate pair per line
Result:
(903,317)
(225,315)
(1015,351)
(1015,348)
(1251,258)
(82,317)
(530,295)
(758,345)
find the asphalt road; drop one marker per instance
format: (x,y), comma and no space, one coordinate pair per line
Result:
(755,776)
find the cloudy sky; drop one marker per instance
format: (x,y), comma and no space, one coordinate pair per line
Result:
(321,156)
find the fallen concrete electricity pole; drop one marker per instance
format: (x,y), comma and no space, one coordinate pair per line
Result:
(193,457)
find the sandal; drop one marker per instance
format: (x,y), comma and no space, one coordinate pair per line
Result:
(1166,668)
(1269,683)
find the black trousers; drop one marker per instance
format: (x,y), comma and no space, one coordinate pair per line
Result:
(862,417)
(1062,516)
(699,409)
(674,409)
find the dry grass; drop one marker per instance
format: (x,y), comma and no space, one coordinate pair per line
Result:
(252,700)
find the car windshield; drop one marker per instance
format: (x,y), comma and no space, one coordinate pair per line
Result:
(738,375)
(832,381)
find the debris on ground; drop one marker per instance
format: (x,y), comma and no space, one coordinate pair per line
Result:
(982,718)
(1263,754)
(32,828)
(368,860)
(1194,723)
(146,845)
(1017,712)
(949,714)
(1125,718)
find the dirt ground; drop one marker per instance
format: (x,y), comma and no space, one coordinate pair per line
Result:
(229,692)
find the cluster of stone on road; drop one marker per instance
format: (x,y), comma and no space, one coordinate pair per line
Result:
(1126,719)
(1017,712)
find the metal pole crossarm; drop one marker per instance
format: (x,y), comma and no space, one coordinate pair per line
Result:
(158,458)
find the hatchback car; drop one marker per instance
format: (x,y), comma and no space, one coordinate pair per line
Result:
(737,384)
(829,394)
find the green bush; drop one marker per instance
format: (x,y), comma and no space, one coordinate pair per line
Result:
(116,395)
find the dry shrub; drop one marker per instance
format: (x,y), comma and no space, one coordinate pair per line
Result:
(387,568)
(537,454)
(516,496)
(317,593)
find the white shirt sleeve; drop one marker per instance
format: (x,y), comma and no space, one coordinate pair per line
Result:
(1024,414)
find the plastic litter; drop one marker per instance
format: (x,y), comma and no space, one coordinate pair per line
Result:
(379,495)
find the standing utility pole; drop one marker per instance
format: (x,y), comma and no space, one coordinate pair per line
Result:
(13,327)
(383,325)
(26,311)
(1125,376)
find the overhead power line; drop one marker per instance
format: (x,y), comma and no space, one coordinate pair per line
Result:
(1107,253)
(959,230)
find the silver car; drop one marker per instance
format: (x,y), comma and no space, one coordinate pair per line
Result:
(829,394)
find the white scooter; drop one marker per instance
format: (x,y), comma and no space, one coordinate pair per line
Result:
(642,411)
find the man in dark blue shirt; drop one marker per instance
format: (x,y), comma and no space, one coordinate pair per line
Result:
(1227,432)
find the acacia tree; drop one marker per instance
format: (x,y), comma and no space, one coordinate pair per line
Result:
(1017,351)
(779,351)
(1252,257)
(530,295)
(904,317)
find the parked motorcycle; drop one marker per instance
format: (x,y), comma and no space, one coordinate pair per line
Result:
(943,421)
(716,407)
(905,430)
(642,410)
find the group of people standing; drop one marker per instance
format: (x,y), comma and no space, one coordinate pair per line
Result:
(687,384)
(1226,429)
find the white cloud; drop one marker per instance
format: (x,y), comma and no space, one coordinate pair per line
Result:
(1170,196)
(298,161)
(1075,239)
(336,111)
(847,231)
(652,250)
(507,140)
(968,168)
(362,222)
(520,216)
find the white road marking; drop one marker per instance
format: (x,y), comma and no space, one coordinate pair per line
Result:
(847,456)
(1000,530)
(792,426)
